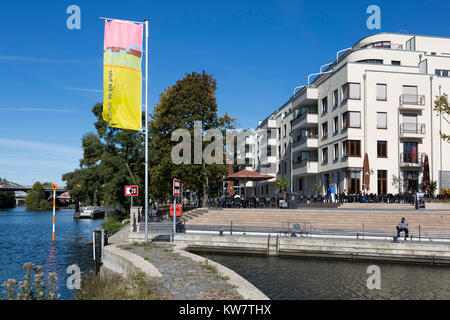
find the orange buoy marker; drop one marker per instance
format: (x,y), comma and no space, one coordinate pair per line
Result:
(54,186)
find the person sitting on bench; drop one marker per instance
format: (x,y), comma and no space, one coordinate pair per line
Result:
(402,226)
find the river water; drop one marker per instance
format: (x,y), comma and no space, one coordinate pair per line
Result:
(26,236)
(308,279)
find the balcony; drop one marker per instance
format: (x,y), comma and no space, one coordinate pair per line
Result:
(412,159)
(306,167)
(412,102)
(307,119)
(412,130)
(309,142)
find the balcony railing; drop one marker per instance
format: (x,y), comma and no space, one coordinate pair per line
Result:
(304,138)
(303,117)
(412,99)
(304,163)
(412,158)
(412,128)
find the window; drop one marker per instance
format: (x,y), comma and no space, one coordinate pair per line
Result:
(269,134)
(336,151)
(373,61)
(442,73)
(354,182)
(382,181)
(300,185)
(381,92)
(381,120)
(285,131)
(351,119)
(285,167)
(324,155)
(379,44)
(324,130)
(335,125)
(335,98)
(352,148)
(269,151)
(325,105)
(395,62)
(351,91)
(382,149)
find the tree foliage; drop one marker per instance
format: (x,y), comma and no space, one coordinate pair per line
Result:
(7,197)
(36,200)
(113,158)
(441,106)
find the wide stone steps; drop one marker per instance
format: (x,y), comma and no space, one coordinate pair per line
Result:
(379,220)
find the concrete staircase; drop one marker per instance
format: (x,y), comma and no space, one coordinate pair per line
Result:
(383,220)
(192,214)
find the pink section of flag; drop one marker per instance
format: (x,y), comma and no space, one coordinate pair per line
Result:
(123,34)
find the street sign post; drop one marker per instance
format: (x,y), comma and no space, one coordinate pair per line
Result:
(176,193)
(131,191)
(54,186)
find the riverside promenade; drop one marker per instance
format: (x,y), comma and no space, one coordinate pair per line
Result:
(179,275)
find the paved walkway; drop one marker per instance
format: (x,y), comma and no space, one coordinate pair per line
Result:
(183,278)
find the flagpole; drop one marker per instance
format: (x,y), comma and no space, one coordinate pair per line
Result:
(146,129)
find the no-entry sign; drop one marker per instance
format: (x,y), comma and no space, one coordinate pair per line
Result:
(131,191)
(176,187)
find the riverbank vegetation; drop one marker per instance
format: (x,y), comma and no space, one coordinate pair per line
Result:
(34,287)
(113,158)
(36,200)
(7,198)
(115,221)
(112,286)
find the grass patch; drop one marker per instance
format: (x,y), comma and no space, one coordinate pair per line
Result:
(115,221)
(207,267)
(115,287)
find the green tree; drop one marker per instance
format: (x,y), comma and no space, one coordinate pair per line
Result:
(441,106)
(112,158)
(282,183)
(36,200)
(7,197)
(190,99)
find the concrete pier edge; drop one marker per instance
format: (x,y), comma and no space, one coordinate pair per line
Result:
(127,263)
(243,287)
(403,252)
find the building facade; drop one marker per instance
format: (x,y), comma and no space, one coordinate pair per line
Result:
(376,98)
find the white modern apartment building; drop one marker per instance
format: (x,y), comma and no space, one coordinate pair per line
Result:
(376,98)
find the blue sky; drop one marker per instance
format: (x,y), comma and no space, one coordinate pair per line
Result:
(258,51)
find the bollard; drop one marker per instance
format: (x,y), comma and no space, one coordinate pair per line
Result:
(99,240)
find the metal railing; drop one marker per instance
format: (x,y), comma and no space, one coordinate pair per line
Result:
(303,116)
(412,128)
(303,139)
(304,163)
(412,99)
(412,157)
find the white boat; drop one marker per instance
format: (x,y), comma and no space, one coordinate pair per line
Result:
(91,213)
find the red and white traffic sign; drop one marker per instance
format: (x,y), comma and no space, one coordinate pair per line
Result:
(176,187)
(131,191)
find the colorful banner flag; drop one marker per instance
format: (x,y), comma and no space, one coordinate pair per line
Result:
(122,77)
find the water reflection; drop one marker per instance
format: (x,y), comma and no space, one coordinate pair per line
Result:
(27,237)
(307,279)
